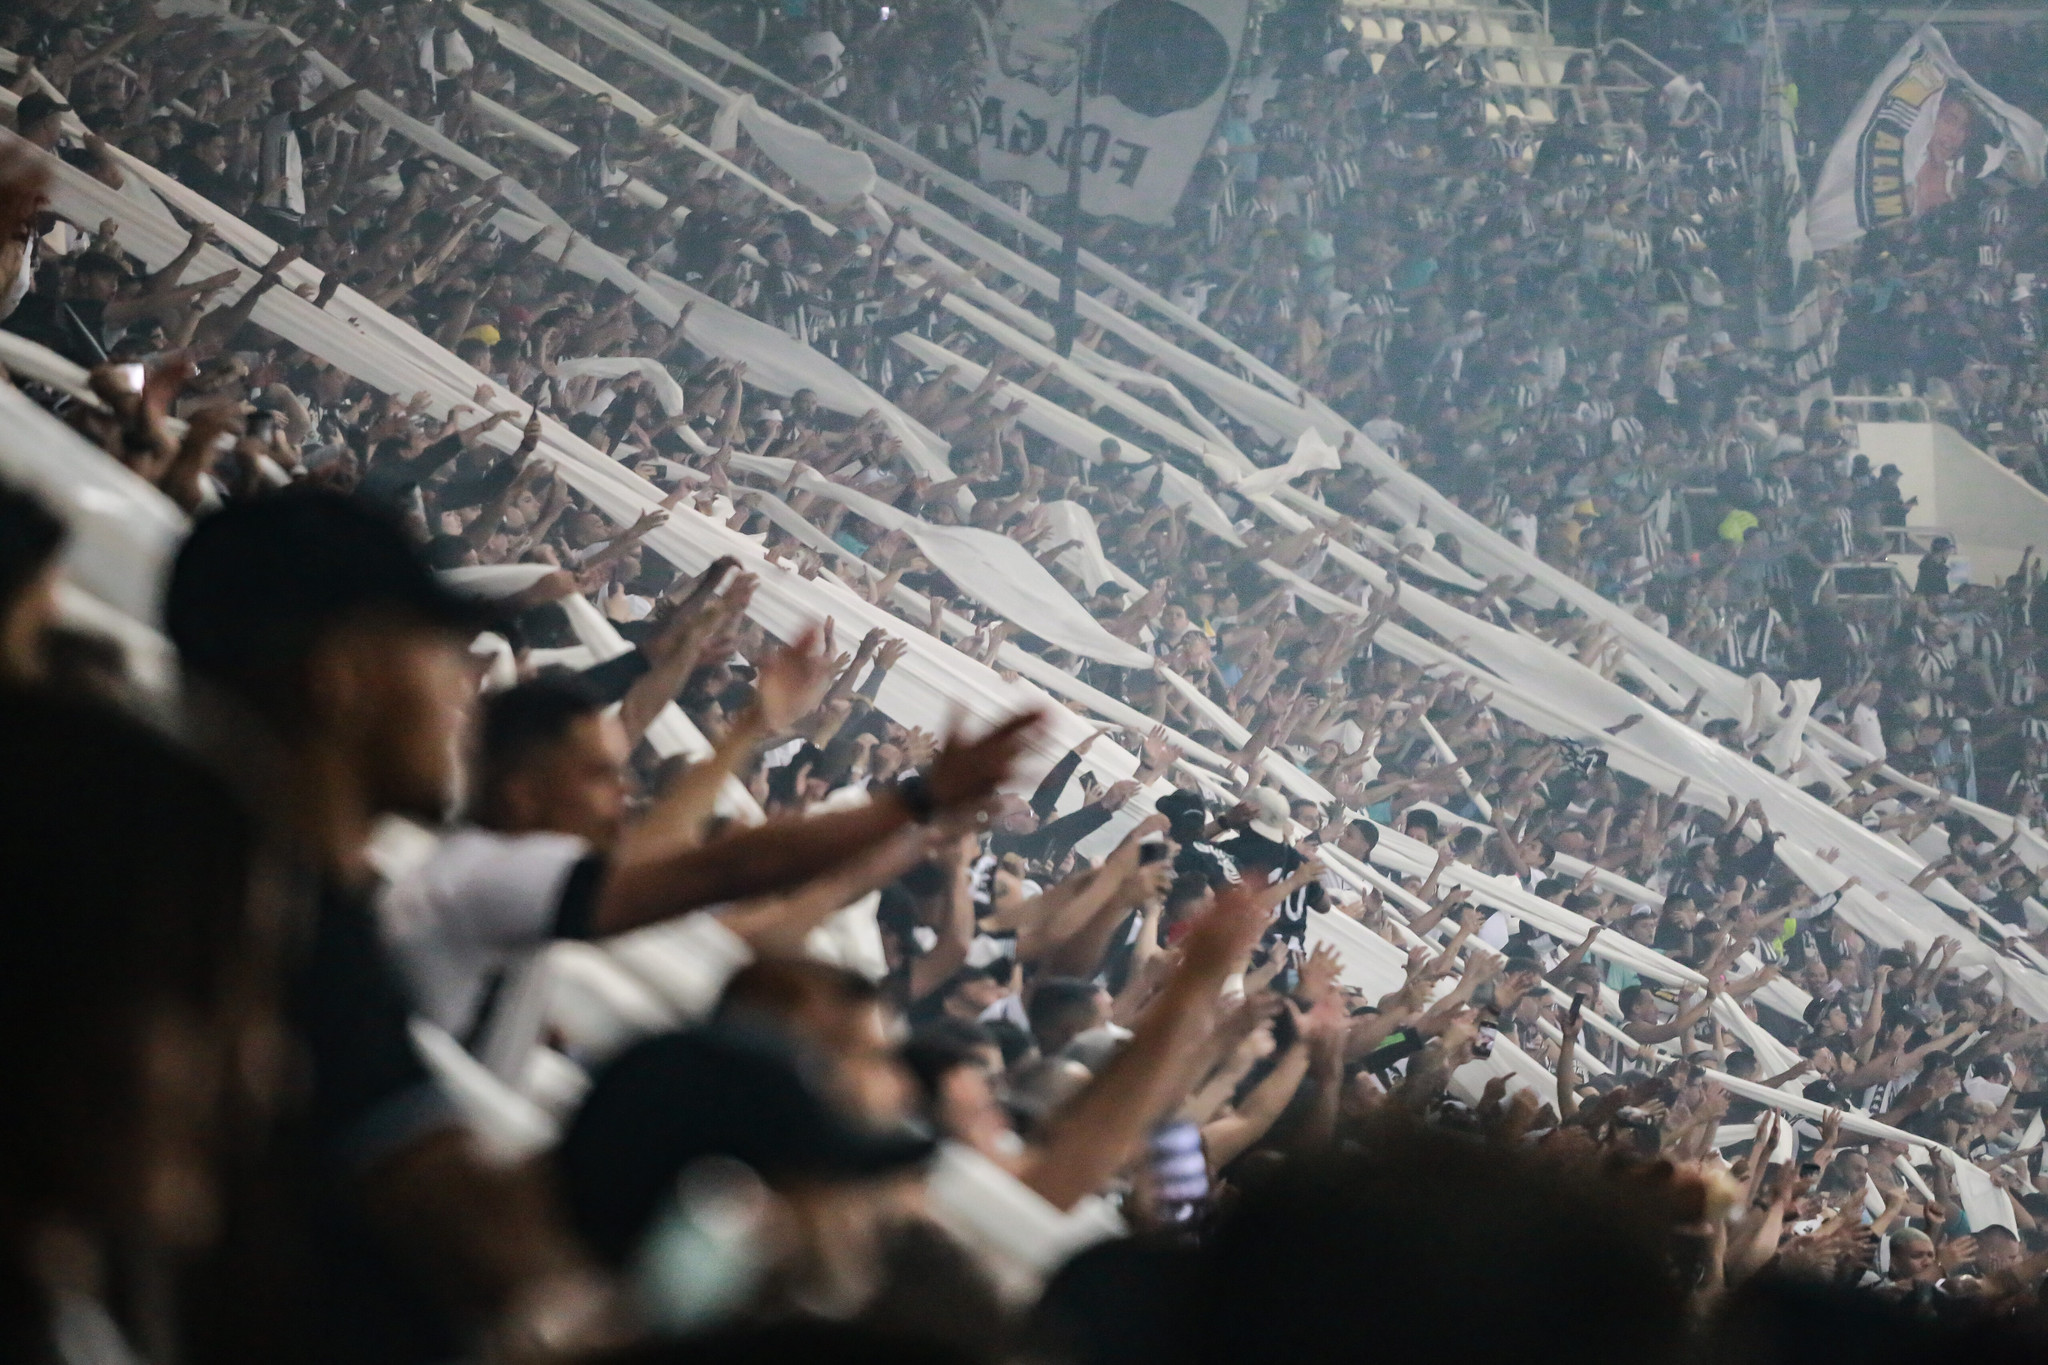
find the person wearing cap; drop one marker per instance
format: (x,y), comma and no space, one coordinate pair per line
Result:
(671,1112)
(326,676)
(39,120)
(1932,578)
(1262,849)
(1188,826)
(326,669)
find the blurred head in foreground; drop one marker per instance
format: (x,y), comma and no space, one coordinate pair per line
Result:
(1417,1242)
(128,1004)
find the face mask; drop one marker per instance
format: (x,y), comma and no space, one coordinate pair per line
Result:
(704,1260)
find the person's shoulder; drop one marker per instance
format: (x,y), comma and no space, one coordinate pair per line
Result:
(472,852)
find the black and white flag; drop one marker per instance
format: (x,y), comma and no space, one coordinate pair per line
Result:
(1155,74)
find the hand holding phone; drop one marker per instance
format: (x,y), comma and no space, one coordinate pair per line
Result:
(1179,1170)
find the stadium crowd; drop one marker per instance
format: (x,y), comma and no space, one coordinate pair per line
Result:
(228,1142)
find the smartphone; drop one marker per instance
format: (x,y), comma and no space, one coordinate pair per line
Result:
(1482,1046)
(1180,1173)
(1154,852)
(1578,1008)
(1808,1170)
(130,376)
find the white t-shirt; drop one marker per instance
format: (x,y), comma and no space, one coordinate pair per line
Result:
(1521,526)
(284,165)
(478,908)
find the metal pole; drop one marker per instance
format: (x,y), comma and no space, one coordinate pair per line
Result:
(1067,325)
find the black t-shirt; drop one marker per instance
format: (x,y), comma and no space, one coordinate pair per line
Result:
(390,479)
(1206,861)
(73,328)
(351,1013)
(1253,853)
(371,1094)
(700,242)
(188,170)
(1823,1091)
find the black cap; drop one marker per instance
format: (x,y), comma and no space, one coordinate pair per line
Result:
(726,1091)
(257,583)
(33,109)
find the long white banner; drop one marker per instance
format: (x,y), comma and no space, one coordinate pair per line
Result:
(1155,75)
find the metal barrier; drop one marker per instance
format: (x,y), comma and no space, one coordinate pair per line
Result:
(1606,49)
(1878,407)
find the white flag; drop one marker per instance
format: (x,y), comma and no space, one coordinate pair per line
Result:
(1156,73)
(1919,134)
(1789,304)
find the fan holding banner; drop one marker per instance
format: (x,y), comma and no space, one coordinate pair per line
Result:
(1154,76)
(1923,128)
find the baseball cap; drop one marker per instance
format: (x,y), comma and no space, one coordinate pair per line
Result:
(257,583)
(722,1091)
(35,108)
(1269,813)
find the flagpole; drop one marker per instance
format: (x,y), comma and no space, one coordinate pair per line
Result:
(1067,319)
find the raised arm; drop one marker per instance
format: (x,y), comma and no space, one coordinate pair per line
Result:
(785,853)
(1102,1128)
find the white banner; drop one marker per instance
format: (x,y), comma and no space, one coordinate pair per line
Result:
(1156,74)
(1922,131)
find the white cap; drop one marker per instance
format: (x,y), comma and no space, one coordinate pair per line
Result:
(1269,813)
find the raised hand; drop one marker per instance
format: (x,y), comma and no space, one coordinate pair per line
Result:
(1117,793)
(1219,939)
(967,770)
(1319,974)
(791,680)
(1160,752)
